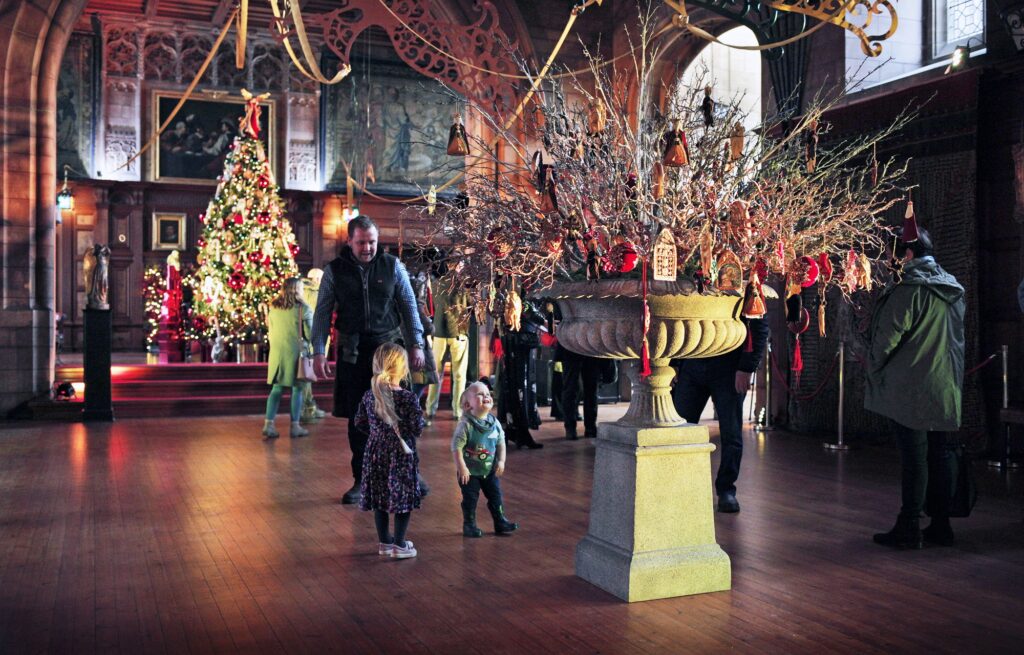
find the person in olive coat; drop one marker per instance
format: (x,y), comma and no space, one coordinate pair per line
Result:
(285,346)
(915,375)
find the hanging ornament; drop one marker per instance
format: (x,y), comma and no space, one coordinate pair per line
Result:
(707,248)
(237,281)
(798,327)
(753,302)
(254,256)
(909,234)
(778,257)
(677,151)
(499,243)
(597,117)
(740,230)
(202,217)
(263,218)
(238,218)
(811,144)
(864,272)
(851,274)
(371,176)
(263,182)
(665,260)
(294,248)
(874,165)
(794,305)
(736,140)
(514,310)
(707,108)
(229,258)
(621,257)
(546,188)
(730,272)
(432,200)
(807,272)
(458,144)
(824,277)
(658,180)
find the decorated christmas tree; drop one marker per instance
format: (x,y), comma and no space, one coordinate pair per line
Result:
(248,248)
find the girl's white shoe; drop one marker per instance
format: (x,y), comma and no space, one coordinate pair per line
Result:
(269,431)
(403,552)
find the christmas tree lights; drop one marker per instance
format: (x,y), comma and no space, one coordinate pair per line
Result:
(247,249)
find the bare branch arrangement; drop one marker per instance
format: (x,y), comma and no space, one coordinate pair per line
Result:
(595,176)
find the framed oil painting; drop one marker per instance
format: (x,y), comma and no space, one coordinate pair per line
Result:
(390,125)
(193,147)
(168,230)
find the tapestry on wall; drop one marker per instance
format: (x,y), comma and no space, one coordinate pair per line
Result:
(75,101)
(389,125)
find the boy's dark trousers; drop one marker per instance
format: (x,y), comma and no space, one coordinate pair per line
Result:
(471,493)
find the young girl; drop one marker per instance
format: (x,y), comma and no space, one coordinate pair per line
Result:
(394,420)
(283,330)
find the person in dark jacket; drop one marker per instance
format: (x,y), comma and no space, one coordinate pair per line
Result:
(375,302)
(517,378)
(725,379)
(915,374)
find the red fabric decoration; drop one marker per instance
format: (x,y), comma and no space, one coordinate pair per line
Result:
(798,362)
(547,339)
(238,218)
(430,301)
(825,269)
(645,349)
(810,271)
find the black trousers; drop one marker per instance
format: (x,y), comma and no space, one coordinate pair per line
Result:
(471,494)
(351,382)
(714,378)
(927,474)
(518,390)
(577,371)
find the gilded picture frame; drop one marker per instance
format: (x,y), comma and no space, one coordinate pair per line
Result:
(167,230)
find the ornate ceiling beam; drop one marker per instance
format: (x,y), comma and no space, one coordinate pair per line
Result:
(763,18)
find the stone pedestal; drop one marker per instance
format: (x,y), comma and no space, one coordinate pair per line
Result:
(98,327)
(652,528)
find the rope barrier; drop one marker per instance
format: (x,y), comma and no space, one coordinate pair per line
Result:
(814,394)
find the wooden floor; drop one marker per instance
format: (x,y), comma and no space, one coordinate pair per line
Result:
(193,535)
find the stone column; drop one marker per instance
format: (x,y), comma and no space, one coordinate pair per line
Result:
(652,527)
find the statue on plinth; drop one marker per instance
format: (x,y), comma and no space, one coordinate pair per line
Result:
(95,268)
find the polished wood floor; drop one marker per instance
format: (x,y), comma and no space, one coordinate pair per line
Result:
(194,536)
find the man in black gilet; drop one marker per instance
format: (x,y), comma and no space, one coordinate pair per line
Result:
(375,303)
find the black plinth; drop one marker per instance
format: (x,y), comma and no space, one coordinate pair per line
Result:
(98,403)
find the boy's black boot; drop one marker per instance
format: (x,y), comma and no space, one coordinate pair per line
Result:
(501,524)
(906,534)
(469,528)
(939,532)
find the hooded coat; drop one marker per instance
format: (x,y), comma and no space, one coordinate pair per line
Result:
(916,364)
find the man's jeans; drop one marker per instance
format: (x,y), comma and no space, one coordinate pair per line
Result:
(700,379)
(927,473)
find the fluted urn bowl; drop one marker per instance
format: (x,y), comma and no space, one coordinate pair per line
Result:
(605,319)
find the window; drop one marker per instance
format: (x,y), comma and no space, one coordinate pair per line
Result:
(955,22)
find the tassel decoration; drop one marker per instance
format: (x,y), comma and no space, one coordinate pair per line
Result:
(645,348)
(736,140)
(909,234)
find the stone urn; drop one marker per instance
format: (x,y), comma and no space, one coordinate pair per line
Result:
(652,530)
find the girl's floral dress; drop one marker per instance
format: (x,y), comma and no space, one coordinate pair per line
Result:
(389,480)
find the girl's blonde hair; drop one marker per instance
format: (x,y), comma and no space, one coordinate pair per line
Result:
(290,295)
(389,362)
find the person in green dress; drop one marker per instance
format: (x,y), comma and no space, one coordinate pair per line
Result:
(286,342)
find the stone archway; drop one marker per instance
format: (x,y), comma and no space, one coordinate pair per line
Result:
(33,37)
